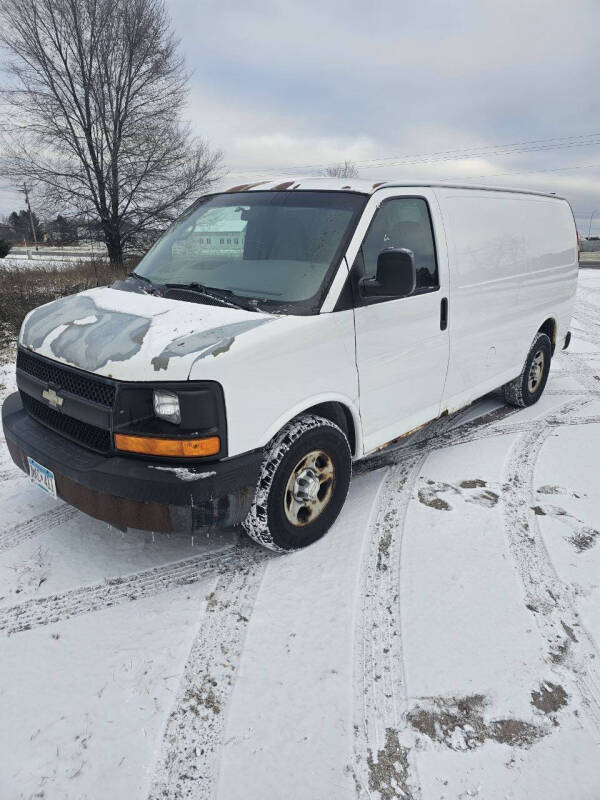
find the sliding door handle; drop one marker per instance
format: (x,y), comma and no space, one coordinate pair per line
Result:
(444,314)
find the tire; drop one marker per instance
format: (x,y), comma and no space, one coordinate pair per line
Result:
(528,387)
(303,484)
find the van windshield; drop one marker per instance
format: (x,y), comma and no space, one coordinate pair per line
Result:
(280,248)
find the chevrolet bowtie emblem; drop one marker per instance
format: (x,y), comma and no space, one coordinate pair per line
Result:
(51,396)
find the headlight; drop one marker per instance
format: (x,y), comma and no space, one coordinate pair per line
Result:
(166,406)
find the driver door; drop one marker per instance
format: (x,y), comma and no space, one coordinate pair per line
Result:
(402,344)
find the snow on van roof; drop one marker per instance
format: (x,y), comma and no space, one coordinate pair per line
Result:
(365,186)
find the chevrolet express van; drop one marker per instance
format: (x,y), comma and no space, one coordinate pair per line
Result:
(279,331)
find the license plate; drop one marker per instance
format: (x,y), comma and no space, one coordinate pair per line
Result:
(42,477)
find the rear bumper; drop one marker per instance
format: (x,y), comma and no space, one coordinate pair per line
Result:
(131,492)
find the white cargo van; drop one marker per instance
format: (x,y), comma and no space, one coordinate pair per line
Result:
(276,333)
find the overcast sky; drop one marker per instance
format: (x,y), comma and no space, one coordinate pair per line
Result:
(286,87)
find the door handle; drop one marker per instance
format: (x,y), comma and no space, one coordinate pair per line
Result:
(444,314)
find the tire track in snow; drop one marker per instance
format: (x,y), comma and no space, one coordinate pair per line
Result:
(36,525)
(187,766)
(591,420)
(571,392)
(571,650)
(381,699)
(9,474)
(583,374)
(114,591)
(587,312)
(380,689)
(188,763)
(383,746)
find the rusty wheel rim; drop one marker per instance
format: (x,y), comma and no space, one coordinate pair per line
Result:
(309,488)
(536,371)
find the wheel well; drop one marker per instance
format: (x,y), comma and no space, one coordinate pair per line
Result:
(549,328)
(339,414)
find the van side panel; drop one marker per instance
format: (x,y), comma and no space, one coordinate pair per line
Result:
(513,264)
(548,290)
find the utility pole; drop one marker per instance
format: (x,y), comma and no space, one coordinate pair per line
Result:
(26,189)
(591,218)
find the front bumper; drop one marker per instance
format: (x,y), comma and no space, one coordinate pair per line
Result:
(131,492)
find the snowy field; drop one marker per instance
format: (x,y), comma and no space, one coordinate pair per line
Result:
(442,642)
(51,257)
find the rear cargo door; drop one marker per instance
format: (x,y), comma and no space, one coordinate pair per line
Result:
(402,345)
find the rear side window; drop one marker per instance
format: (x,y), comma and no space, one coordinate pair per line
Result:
(403,222)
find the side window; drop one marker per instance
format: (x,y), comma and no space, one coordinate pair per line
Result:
(403,222)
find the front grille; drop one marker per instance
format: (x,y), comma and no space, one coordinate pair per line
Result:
(81,432)
(73,382)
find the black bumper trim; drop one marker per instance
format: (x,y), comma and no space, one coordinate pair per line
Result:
(133,492)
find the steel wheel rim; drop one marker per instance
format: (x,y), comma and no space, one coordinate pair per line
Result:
(536,371)
(309,488)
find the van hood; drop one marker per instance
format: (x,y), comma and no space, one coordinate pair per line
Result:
(134,337)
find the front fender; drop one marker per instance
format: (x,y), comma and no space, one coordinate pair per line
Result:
(309,402)
(272,373)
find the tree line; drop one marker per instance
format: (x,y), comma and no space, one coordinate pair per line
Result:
(19,228)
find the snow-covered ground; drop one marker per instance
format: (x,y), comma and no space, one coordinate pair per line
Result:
(52,257)
(22,262)
(442,642)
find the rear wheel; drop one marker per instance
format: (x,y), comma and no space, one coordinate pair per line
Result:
(527,388)
(303,484)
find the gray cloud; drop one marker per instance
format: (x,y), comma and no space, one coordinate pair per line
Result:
(286,84)
(280,84)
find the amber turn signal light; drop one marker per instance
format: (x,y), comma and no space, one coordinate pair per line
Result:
(169,448)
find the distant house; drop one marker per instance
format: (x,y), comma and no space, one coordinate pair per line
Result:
(218,241)
(218,232)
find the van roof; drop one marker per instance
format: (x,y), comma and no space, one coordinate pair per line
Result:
(363,186)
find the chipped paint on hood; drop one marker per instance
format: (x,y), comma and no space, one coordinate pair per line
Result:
(120,334)
(211,342)
(89,336)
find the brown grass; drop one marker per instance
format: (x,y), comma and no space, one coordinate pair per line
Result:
(24,289)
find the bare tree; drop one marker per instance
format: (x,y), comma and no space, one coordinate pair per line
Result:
(97,89)
(345,170)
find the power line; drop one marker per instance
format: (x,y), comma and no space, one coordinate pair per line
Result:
(466,179)
(528,146)
(523,172)
(475,154)
(457,152)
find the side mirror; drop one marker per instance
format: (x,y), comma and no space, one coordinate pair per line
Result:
(396,275)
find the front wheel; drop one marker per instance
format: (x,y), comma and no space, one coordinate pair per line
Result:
(304,481)
(527,388)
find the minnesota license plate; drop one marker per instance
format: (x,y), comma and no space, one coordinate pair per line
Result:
(42,477)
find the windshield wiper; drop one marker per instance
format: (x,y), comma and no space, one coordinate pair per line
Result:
(208,291)
(145,280)
(139,277)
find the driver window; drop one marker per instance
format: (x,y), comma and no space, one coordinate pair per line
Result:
(403,222)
